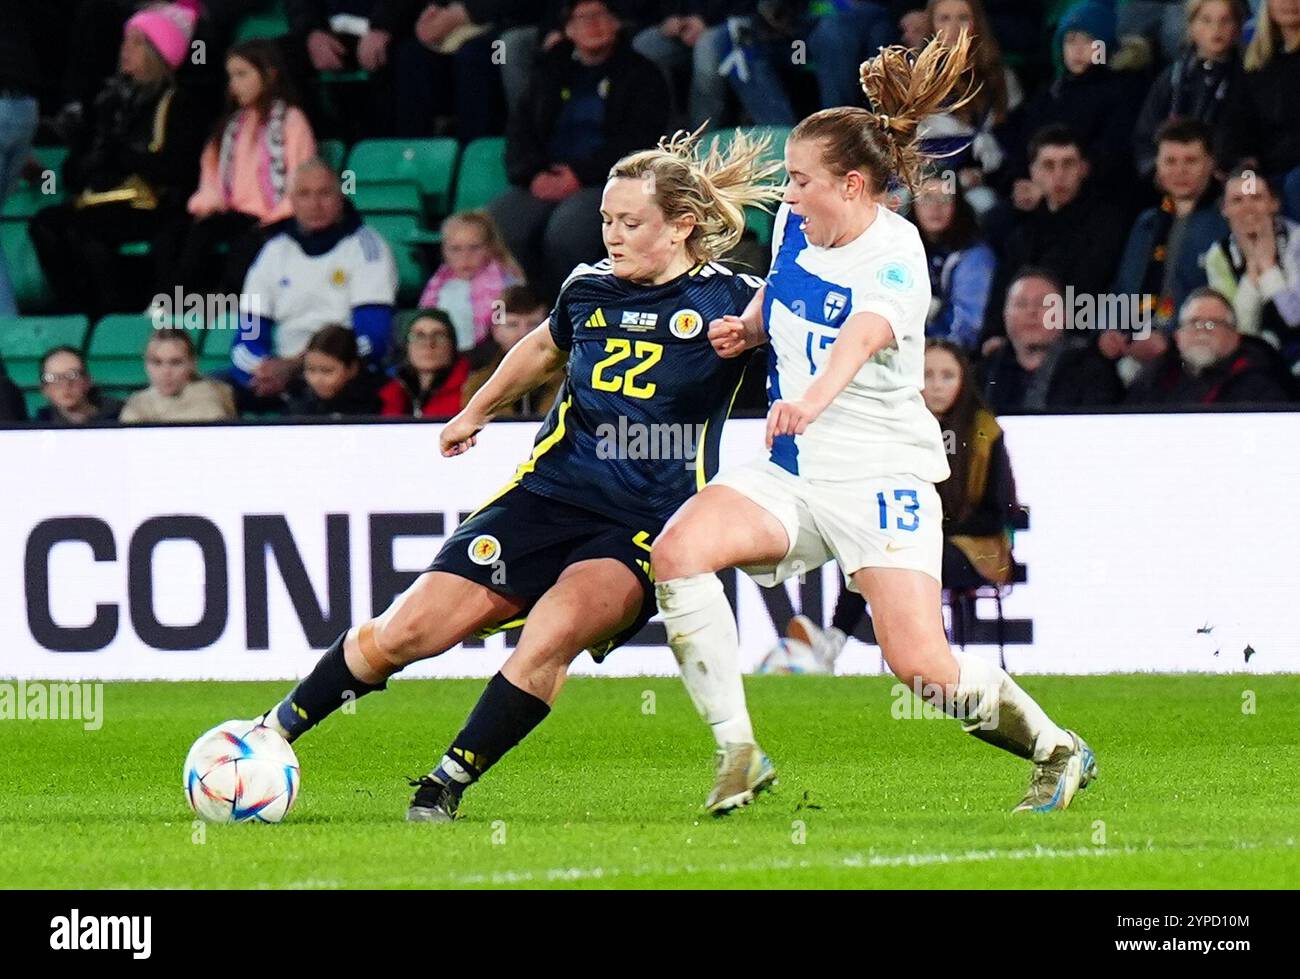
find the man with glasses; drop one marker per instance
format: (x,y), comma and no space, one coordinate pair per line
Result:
(1211,363)
(72,395)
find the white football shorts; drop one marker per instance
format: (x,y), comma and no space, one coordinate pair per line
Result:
(885,522)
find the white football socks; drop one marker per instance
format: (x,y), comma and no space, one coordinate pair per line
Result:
(994,708)
(702,634)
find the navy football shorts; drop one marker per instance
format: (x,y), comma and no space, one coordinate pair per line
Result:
(520,542)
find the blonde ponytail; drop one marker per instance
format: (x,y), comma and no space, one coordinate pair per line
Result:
(714,189)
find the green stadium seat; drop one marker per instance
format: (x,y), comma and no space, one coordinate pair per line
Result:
(31,336)
(24,339)
(269,22)
(118,372)
(34,399)
(121,335)
(115,353)
(775,151)
(22,203)
(31,291)
(429,163)
(482,177)
(51,157)
(352,76)
(215,354)
(406,238)
(390,197)
(24,200)
(333,152)
(757,220)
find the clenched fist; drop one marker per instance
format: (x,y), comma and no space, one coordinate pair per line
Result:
(728,336)
(460,434)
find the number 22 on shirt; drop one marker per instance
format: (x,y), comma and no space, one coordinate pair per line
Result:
(647,354)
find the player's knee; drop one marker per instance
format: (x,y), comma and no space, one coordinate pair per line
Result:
(546,652)
(672,555)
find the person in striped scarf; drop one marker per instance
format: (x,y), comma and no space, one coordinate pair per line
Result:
(261,138)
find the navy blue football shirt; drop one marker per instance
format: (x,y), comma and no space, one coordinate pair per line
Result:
(636,427)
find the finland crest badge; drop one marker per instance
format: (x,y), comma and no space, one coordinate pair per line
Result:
(834,305)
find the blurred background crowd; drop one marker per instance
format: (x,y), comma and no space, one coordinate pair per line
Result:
(356,207)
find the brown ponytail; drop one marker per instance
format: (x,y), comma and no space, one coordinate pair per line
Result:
(903,89)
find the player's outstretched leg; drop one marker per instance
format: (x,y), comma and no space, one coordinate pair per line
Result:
(437,611)
(718,528)
(991,705)
(591,601)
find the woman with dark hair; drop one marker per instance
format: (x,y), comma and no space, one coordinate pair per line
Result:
(979,497)
(961,264)
(71,392)
(337,381)
(429,382)
(260,139)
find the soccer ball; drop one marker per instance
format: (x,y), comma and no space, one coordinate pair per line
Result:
(791,656)
(241,771)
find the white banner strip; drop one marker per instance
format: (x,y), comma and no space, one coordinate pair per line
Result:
(1156,543)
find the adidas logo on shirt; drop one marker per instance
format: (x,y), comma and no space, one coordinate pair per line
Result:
(596,319)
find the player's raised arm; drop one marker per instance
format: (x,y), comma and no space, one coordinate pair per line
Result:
(530,362)
(864,335)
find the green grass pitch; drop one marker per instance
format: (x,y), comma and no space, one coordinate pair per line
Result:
(1193,792)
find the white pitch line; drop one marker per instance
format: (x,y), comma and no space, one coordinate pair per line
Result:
(855,861)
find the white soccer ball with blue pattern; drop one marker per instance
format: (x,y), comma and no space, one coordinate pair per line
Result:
(241,771)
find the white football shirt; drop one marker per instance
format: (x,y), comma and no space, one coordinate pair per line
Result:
(879,424)
(302,292)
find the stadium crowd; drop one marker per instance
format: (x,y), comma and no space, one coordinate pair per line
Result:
(390,192)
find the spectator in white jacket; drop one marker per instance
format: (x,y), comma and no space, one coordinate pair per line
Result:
(321,266)
(1257,266)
